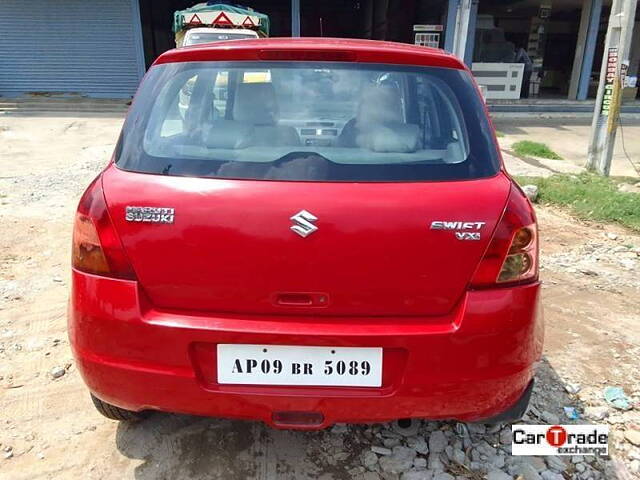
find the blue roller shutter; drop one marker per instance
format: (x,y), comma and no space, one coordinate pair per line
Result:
(90,47)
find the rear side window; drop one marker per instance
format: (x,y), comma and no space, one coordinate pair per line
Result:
(308,122)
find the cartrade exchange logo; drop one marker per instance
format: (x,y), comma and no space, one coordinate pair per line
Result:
(560,439)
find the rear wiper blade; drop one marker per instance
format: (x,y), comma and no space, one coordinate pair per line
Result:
(291,156)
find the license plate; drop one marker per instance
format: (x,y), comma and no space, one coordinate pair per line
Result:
(291,365)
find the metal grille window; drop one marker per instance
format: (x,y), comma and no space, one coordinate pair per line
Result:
(72,46)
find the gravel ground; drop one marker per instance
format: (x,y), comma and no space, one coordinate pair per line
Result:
(50,430)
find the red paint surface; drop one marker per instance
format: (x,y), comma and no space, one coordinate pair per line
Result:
(469,364)
(229,270)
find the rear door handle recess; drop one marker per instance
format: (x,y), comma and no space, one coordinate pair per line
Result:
(297,299)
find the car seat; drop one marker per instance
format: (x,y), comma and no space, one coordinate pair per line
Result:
(379,124)
(256,104)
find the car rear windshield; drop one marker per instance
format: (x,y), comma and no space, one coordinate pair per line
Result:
(308,121)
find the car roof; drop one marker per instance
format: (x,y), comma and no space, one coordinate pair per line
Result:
(313,49)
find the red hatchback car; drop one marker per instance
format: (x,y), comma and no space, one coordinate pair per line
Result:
(304,232)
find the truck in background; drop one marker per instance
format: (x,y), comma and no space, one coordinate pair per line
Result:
(214,22)
(195,36)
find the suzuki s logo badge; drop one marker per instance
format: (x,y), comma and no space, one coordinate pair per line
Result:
(304,223)
(463,230)
(150,214)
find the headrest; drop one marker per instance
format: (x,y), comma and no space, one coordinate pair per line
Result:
(228,134)
(255,103)
(391,137)
(379,105)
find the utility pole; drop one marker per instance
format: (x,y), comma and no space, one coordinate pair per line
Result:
(463,15)
(615,62)
(295,18)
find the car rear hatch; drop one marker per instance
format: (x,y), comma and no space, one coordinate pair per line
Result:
(227,146)
(231,247)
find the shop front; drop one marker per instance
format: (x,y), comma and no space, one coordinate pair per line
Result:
(519,50)
(543,49)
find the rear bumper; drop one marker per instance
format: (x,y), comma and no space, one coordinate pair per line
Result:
(472,364)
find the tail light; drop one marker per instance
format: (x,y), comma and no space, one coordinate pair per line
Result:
(512,255)
(96,245)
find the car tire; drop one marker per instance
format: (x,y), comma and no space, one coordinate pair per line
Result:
(116,413)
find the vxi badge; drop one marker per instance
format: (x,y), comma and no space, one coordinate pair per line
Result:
(463,230)
(560,439)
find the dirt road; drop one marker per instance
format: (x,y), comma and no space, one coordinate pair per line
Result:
(49,428)
(569,138)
